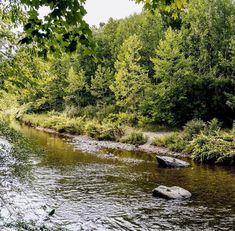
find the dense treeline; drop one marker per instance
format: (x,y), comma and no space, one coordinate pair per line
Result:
(148,69)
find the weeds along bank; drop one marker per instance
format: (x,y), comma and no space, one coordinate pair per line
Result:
(204,142)
(104,130)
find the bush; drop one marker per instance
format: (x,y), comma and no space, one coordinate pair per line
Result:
(192,128)
(206,143)
(103,131)
(71,112)
(124,118)
(93,128)
(111,132)
(212,149)
(174,142)
(72,126)
(135,137)
(213,127)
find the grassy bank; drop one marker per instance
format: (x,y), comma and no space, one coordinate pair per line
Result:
(80,126)
(204,142)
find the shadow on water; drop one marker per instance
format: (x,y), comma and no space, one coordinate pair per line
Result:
(111,190)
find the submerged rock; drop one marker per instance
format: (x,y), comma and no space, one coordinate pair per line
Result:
(171,192)
(171,162)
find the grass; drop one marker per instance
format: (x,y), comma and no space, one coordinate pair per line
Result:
(81,126)
(135,137)
(204,142)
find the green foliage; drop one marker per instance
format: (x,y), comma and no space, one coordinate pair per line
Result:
(106,131)
(135,137)
(71,111)
(174,142)
(205,142)
(213,127)
(20,150)
(173,72)
(57,122)
(145,72)
(76,125)
(75,88)
(100,85)
(193,128)
(124,118)
(212,149)
(63,28)
(131,80)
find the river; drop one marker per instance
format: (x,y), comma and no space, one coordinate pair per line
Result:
(111,190)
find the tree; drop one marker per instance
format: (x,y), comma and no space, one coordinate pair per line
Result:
(173,73)
(131,79)
(76,87)
(208,27)
(64,27)
(100,85)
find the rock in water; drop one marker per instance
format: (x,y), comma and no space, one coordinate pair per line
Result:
(170,162)
(171,192)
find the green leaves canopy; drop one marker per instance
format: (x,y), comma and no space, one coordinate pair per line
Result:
(64,27)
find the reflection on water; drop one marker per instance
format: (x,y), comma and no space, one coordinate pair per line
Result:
(96,192)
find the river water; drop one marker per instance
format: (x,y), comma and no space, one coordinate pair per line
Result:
(100,191)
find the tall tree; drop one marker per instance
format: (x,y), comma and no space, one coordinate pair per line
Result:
(174,74)
(131,79)
(100,85)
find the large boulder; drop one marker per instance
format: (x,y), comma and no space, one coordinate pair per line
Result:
(171,192)
(170,162)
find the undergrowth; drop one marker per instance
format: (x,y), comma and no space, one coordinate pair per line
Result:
(135,137)
(205,142)
(105,130)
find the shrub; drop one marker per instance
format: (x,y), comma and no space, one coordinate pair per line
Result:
(135,137)
(88,111)
(72,126)
(71,111)
(104,111)
(192,128)
(213,127)
(93,129)
(111,132)
(174,142)
(124,118)
(212,149)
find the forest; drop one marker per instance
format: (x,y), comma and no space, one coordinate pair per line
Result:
(129,125)
(148,70)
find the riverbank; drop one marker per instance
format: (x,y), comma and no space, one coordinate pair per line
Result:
(87,144)
(203,142)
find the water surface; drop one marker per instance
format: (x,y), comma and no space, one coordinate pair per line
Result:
(111,190)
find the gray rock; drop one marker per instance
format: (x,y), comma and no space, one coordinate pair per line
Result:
(170,162)
(171,192)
